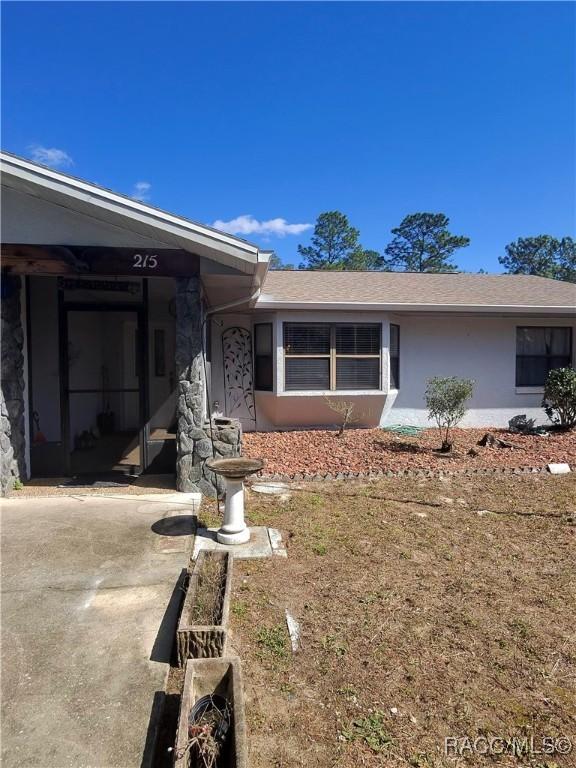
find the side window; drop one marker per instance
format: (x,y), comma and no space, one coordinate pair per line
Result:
(263,357)
(394,356)
(538,351)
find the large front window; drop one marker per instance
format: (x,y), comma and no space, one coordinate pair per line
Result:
(322,356)
(538,351)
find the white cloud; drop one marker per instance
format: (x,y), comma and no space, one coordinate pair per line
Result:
(51,156)
(141,191)
(248,225)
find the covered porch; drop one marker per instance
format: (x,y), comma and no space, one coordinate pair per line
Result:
(105,303)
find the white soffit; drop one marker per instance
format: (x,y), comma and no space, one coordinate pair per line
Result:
(119,210)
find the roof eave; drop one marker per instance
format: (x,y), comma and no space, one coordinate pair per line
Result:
(173,230)
(267,302)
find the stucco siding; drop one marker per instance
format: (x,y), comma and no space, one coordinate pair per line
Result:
(482,349)
(479,348)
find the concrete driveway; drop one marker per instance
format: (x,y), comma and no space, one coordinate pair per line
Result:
(89,601)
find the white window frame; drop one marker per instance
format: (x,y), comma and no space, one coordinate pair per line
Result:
(333,356)
(538,389)
(396,386)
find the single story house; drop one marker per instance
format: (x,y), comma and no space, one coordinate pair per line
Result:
(125,327)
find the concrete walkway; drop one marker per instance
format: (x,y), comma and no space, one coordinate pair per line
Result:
(89,595)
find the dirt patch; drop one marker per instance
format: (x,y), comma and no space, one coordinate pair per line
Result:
(61,486)
(429,608)
(370,450)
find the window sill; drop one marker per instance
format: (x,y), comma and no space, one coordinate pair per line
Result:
(529,390)
(331,392)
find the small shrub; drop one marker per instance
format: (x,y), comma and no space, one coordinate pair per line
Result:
(446,402)
(560,397)
(345,410)
(17,485)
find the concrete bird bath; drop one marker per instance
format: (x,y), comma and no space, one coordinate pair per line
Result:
(234,530)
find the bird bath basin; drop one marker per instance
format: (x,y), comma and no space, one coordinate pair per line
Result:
(234,529)
(236,469)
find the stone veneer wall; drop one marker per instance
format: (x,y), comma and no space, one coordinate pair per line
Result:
(12,429)
(227,437)
(194,443)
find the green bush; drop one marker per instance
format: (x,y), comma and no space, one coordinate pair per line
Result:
(560,397)
(446,399)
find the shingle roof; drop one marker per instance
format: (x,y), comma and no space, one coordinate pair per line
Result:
(413,291)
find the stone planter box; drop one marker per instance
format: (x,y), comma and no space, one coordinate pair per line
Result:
(208,677)
(196,640)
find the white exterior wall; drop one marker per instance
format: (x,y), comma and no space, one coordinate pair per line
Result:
(475,347)
(218,398)
(479,348)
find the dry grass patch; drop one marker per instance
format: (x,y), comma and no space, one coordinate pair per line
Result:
(423,616)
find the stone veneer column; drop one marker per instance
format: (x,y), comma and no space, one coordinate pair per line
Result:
(197,438)
(12,430)
(225,437)
(189,370)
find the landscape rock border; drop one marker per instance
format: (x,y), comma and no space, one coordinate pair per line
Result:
(378,475)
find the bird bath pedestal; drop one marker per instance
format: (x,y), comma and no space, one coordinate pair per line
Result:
(234,530)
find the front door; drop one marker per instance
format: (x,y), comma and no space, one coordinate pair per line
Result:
(104,390)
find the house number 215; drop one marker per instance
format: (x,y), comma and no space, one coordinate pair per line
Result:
(145,261)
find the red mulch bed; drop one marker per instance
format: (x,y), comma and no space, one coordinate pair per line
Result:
(370,450)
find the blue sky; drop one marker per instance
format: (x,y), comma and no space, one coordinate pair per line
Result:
(283,110)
